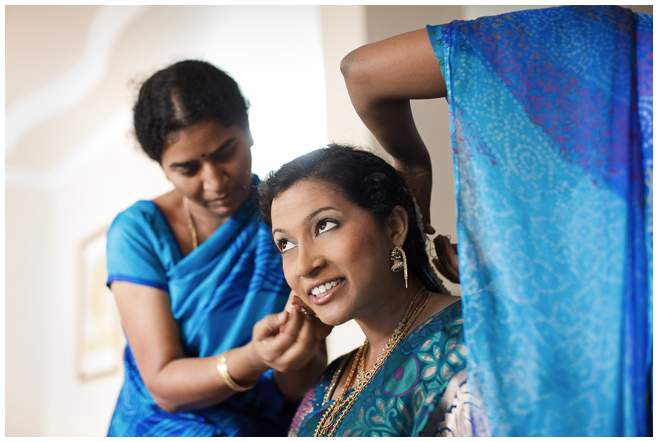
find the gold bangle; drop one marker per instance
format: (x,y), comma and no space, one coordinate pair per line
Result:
(222,369)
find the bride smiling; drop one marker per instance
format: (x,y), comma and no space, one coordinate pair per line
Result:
(352,248)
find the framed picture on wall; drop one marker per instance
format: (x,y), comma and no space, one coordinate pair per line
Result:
(100,338)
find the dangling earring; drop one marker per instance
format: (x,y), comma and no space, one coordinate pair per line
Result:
(399,259)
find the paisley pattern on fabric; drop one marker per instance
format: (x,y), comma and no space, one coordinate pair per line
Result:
(551,114)
(218,292)
(456,411)
(402,396)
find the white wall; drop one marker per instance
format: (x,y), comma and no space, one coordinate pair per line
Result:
(343,29)
(72,164)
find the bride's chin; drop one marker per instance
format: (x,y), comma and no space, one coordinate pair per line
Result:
(331,320)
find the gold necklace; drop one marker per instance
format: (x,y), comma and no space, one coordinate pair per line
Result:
(190,222)
(334,381)
(327,426)
(339,372)
(328,418)
(396,337)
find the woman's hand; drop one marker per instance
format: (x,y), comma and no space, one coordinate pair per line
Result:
(289,340)
(176,382)
(322,330)
(292,343)
(447,260)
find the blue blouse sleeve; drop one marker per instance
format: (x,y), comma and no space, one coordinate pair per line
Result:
(140,247)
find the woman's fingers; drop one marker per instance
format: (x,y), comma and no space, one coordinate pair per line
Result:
(320,329)
(270,325)
(289,339)
(428,229)
(302,349)
(447,260)
(279,343)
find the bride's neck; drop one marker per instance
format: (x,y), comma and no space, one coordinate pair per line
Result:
(380,325)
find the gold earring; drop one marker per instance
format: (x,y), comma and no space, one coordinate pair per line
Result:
(399,259)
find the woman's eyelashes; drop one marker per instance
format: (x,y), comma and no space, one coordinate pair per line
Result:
(325,225)
(187,169)
(225,153)
(284,245)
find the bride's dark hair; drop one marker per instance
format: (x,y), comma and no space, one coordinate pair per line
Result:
(366,180)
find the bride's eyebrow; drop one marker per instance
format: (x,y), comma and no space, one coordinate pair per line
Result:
(316,212)
(308,218)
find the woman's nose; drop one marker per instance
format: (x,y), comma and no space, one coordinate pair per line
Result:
(214,177)
(309,262)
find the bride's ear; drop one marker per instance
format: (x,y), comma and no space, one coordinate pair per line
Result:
(398,223)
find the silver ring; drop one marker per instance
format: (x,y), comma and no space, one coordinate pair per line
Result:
(303,310)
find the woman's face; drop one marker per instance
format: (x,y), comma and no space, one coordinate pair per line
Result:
(211,165)
(336,256)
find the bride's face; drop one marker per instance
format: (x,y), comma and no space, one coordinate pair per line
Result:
(336,255)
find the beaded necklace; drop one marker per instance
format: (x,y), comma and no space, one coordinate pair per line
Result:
(335,414)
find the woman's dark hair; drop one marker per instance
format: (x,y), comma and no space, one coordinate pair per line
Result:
(366,180)
(184,94)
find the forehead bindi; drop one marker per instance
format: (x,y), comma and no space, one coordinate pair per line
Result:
(198,142)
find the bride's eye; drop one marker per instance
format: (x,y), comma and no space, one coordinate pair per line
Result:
(326,225)
(285,245)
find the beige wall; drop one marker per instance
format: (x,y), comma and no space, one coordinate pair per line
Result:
(71,163)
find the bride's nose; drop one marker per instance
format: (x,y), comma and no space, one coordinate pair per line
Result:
(309,261)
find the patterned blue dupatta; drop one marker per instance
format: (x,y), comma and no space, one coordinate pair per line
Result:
(552,127)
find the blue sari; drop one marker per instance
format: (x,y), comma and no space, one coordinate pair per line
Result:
(218,292)
(552,129)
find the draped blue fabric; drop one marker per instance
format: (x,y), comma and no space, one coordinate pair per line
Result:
(218,292)
(552,127)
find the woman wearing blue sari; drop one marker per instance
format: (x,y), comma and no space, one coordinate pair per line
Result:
(551,116)
(194,271)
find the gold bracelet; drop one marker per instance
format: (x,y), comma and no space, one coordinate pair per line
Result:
(222,369)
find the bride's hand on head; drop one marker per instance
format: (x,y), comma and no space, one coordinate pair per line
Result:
(290,339)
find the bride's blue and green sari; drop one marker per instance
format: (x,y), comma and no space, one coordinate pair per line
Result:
(419,391)
(218,292)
